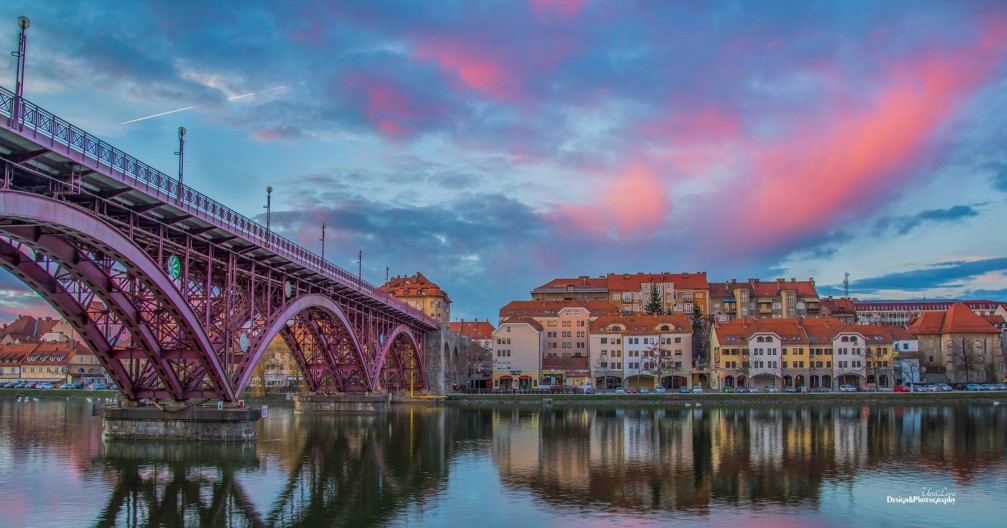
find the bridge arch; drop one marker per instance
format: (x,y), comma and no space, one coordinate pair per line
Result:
(317,306)
(44,224)
(391,362)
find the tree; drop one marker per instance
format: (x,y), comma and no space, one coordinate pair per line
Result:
(965,361)
(602,366)
(700,335)
(657,360)
(654,306)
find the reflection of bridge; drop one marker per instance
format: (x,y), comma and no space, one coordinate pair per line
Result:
(177,294)
(341,471)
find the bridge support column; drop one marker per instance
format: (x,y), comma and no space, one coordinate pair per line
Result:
(193,423)
(342,403)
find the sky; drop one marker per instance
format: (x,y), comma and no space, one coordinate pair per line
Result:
(496,145)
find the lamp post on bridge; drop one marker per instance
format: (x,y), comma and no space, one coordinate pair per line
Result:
(360,269)
(22,48)
(181,158)
(323,241)
(269,203)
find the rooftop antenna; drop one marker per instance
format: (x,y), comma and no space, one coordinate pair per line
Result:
(846,285)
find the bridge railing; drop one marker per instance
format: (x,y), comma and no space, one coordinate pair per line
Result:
(119,164)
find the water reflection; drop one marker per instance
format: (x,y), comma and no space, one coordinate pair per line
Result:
(694,459)
(423,467)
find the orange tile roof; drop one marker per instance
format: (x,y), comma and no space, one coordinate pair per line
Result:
(15,353)
(740,329)
(959,319)
(773,288)
(788,329)
(635,281)
(524,320)
(725,290)
(822,330)
(415,286)
(473,329)
(875,334)
(578,282)
(840,305)
(643,324)
(897,332)
(551,308)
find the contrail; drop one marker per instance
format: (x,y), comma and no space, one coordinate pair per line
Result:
(232,98)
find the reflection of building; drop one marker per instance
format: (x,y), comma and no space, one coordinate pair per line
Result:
(420,293)
(958,346)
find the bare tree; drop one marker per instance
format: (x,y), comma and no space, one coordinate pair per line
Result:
(602,364)
(965,360)
(701,326)
(658,360)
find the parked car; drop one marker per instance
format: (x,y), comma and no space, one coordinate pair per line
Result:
(45,385)
(697,389)
(822,388)
(620,390)
(900,388)
(772,389)
(728,389)
(8,385)
(740,390)
(847,388)
(754,390)
(972,387)
(644,390)
(660,389)
(870,387)
(944,387)
(31,385)
(789,389)
(683,390)
(631,390)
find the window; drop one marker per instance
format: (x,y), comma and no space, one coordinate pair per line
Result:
(508,328)
(604,340)
(627,297)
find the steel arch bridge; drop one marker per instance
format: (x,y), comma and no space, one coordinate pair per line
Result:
(178,295)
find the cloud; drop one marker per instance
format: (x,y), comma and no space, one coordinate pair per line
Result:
(999,175)
(904,224)
(942,275)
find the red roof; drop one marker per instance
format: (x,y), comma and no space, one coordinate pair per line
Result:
(551,308)
(28,329)
(635,281)
(524,320)
(644,324)
(773,288)
(414,286)
(473,329)
(840,305)
(959,319)
(739,329)
(579,282)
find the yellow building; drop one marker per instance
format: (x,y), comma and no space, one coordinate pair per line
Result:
(420,293)
(517,354)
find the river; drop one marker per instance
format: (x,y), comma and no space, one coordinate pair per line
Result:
(522,466)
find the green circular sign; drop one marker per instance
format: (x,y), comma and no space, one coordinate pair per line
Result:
(288,289)
(174,267)
(243,342)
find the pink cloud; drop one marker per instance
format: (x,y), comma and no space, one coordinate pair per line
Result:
(389,108)
(470,66)
(852,160)
(634,201)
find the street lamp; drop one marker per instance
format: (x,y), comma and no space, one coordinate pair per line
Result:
(323,241)
(269,202)
(181,158)
(22,48)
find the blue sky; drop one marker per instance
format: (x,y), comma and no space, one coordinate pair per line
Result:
(496,145)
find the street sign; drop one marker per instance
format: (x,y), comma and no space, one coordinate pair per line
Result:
(174,267)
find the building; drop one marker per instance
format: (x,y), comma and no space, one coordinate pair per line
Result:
(481,361)
(958,346)
(84,367)
(420,293)
(641,351)
(764,299)
(905,356)
(583,288)
(803,353)
(550,309)
(47,362)
(26,329)
(517,354)
(902,313)
(841,308)
(11,356)
(680,292)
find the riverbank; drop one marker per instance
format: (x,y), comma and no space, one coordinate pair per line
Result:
(865,398)
(58,394)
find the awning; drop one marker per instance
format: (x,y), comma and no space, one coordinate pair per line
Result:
(506,378)
(524,378)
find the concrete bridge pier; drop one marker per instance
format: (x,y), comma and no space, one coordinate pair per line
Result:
(188,423)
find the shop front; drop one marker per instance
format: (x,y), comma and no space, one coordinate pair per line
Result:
(515,379)
(578,378)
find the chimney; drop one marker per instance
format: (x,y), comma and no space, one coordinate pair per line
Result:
(793,279)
